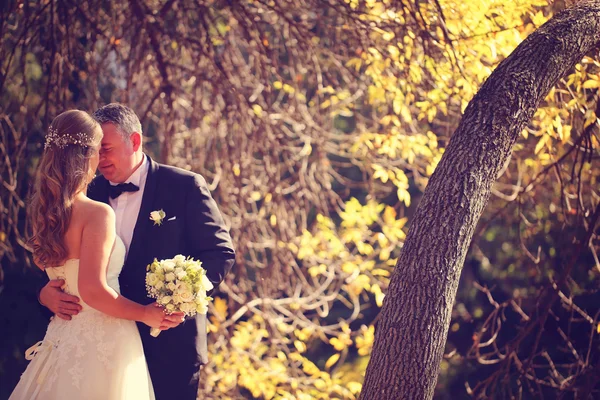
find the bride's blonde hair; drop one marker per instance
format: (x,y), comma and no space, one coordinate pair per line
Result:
(64,170)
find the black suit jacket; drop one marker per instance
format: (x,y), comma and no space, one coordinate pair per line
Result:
(198,231)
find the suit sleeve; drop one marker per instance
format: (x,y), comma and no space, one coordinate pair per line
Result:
(41,281)
(96,188)
(206,233)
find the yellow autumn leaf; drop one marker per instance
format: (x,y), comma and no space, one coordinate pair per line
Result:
(354,387)
(301,97)
(591,84)
(300,346)
(257,110)
(340,343)
(406,115)
(348,267)
(397,105)
(255,195)
(384,254)
(379,295)
(360,283)
(538,19)
(388,36)
(310,368)
(541,143)
(404,196)
(381,272)
(356,63)
(317,270)
(381,174)
(287,88)
(364,342)
(220,307)
(220,313)
(332,360)
(389,215)
(394,52)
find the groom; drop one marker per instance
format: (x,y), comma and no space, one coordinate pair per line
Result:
(135,186)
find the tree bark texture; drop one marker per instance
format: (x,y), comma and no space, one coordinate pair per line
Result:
(414,321)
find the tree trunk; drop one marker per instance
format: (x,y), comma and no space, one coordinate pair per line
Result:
(412,331)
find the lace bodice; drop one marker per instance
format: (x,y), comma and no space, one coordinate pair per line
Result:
(70,272)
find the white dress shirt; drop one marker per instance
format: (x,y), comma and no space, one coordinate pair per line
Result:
(127,205)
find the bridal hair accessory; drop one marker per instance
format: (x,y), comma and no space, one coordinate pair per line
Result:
(53,139)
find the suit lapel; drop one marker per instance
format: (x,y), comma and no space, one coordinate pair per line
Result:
(143,219)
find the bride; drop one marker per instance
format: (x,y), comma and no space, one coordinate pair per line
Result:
(98,354)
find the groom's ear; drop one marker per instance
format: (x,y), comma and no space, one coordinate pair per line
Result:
(136,140)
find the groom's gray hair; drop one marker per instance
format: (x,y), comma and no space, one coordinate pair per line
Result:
(121,116)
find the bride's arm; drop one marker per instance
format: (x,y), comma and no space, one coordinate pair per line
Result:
(97,240)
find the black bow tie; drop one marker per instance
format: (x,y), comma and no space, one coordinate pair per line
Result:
(116,190)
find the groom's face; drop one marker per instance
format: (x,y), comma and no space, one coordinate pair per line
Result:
(117,155)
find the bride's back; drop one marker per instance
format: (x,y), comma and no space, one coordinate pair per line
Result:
(84,211)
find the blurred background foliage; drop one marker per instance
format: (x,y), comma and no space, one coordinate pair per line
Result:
(317,125)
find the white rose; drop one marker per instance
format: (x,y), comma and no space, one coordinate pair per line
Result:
(159,285)
(171,286)
(206,283)
(187,308)
(165,300)
(184,287)
(181,274)
(157,216)
(170,307)
(168,265)
(170,277)
(179,258)
(186,295)
(177,298)
(151,279)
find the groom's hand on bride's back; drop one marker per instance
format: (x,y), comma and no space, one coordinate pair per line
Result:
(60,303)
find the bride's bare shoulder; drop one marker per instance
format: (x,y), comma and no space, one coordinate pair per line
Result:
(95,212)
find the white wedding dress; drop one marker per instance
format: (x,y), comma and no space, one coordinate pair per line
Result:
(92,356)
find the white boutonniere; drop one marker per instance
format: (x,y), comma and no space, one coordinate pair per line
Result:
(157,216)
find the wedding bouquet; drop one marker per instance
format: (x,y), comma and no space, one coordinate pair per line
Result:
(178,284)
